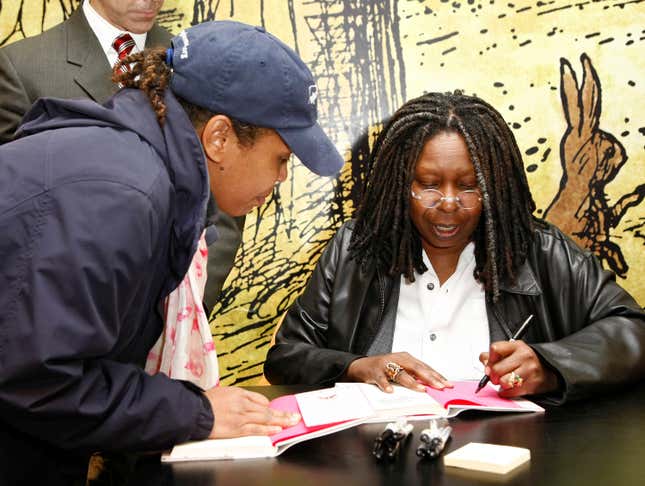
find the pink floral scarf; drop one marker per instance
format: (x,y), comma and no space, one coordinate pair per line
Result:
(185,350)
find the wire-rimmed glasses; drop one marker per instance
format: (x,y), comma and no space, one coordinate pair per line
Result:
(431,198)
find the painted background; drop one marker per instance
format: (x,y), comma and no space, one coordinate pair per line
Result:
(566,75)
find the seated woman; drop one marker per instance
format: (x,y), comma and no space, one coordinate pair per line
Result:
(442,265)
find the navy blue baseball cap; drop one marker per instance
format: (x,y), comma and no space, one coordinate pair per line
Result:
(245,72)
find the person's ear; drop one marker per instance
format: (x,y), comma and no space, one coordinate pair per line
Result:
(216,137)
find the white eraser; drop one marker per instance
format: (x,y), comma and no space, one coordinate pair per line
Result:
(491,458)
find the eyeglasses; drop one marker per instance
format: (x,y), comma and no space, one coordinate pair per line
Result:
(431,198)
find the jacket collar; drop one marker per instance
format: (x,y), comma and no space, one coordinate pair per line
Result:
(84,50)
(186,165)
(525,282)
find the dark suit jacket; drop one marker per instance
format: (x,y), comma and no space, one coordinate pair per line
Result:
(66,61)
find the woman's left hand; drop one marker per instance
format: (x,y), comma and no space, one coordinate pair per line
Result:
(517,369)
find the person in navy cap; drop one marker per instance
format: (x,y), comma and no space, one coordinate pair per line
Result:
(101,208)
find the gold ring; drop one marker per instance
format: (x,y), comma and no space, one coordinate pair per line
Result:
(392,371)
(516,380)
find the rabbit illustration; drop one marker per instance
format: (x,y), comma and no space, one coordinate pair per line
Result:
(591,158)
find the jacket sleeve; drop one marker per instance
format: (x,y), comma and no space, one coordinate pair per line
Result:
(301,354)
(14,101)
(77,260)
(601,342)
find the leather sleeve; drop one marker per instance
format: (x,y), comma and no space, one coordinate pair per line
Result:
(600,329)
(14,101)
(301,354)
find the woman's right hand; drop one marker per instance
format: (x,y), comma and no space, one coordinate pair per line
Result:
(241,412)
(373,369)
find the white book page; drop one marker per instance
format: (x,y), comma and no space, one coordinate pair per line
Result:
(283,445)
(239,448)
(523,405)
(402,401)
(331,405)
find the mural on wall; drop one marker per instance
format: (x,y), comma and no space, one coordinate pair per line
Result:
(585,165)
(591,158)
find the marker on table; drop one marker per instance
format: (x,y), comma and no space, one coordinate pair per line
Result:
(434,438)
(518,334)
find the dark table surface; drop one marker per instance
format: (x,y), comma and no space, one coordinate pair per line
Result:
(596,442)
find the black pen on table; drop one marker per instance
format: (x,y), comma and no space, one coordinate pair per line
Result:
(518,334)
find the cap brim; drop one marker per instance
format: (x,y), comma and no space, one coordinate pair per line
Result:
(313,148)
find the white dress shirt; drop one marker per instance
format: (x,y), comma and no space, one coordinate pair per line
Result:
(445,326)
(105,32)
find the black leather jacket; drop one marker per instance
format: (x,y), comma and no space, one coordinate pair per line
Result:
(586,327)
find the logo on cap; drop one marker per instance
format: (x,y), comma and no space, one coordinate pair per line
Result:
(184,48)
(313,94)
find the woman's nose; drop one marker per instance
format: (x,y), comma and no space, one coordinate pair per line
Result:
(449,203)
(282,173)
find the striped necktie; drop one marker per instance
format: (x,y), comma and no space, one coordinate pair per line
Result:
(123,46)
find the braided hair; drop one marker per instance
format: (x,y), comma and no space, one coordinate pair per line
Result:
(147,70)
(384,233)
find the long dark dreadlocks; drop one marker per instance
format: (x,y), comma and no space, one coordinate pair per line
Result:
(384,232)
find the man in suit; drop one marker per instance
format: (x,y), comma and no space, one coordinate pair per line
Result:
(74,60)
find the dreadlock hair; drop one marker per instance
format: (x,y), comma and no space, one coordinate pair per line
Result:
(384,232)
(147,70)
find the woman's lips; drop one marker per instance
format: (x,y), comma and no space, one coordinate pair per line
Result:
(445,230)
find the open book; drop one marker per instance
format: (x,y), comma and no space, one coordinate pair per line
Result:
(346,405)
(261,445)
(463,397)
(444,403)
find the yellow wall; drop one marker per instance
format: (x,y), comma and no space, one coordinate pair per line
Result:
(371,56)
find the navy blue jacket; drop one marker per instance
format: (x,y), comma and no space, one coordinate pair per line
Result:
(100,212)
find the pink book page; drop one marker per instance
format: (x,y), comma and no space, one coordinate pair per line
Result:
(288,403)
(463,394)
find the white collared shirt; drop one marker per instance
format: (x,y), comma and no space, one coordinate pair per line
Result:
(105,32)
(445,326)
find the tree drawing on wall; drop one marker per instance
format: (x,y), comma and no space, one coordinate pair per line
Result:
(25,18)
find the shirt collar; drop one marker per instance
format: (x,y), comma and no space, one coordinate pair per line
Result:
(525,281)
(466,259)
(106,32)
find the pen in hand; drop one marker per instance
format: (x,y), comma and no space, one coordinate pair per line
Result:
(518,334)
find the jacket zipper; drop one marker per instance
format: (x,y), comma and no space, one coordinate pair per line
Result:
(502,322)
(381,288)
